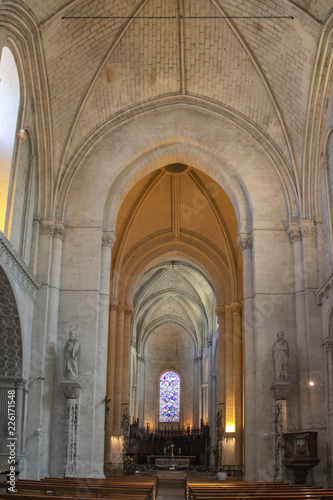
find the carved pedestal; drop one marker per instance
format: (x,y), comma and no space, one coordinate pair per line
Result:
(300,453)
(281,391)
(71,389)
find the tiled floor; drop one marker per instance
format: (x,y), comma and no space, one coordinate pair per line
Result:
(169,489)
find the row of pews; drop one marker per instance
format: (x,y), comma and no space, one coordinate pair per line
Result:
(116,488)
(246,490)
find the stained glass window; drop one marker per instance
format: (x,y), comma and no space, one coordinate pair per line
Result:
(169,397)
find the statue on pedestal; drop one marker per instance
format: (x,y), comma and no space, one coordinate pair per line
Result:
(71,357)
(280,358)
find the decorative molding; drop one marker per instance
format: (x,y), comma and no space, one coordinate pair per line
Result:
(220,312)
(327,343)
(71,388)
(113,305)
(244,241)
(236,308)
(324,290)
(128,311)
(47,227)
(324,160)
(17,268)
(308,228)
(293,232)
(281,390)
(108,239)
(59,230)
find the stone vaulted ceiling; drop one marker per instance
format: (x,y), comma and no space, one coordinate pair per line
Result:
(105,59)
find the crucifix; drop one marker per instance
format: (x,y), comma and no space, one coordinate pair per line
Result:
(172,447)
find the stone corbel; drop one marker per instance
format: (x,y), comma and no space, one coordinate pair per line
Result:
(293,232)
(244,241)
(108,239)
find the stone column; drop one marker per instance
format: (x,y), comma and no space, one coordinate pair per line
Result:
(220,312)
(230,390)
(109,404)
(236,310)
(197,380)
(311,324)
(140,397)
(126,356)
(52,341)
(328,346)
(295,238)
(281,391)
(250,448)
(71,389)
(118,374)
(103,439)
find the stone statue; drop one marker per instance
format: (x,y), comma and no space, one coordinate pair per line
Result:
(280,357)
(71,357)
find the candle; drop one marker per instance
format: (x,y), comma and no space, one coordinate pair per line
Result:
(180,451)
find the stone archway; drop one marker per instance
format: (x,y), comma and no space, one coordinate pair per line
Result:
(175,225)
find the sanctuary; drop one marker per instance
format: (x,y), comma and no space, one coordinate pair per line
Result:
(166,237)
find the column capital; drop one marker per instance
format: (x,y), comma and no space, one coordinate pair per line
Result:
(46,227)
(324,160)
(220,311)
(244,241)
(108,239)
(328,344)
(308,228)
(59,230)
(113,305)
(236,307)
(128,310)
(293,232)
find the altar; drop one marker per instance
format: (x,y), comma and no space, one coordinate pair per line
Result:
(171,463)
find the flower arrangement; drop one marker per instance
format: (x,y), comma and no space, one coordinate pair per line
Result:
(129,465)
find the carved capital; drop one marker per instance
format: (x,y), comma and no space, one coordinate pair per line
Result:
(220,312)
(244,241)
(328,344)
(113,305)
(21,135)
(324,160)
(281,390)
(128,311)
(236,308)
(60,230)
(71,388)
(108,239)
(47,227)
(294,232)
(308,228)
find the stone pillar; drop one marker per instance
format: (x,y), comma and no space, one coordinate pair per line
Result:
(281,391)
(126,356)
(250,448)
(51,342)
(140,397)
(110,379)
(71,389)
(220,311)
(196,391)
(328,346)
(118,374)
(230,390)
(311,324)
(236,310)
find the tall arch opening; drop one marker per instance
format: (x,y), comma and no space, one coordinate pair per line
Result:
(9,107)
(176,306)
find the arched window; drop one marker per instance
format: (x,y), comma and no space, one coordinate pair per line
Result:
(9,106)
(169,397)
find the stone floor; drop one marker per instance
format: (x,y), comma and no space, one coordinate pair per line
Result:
(171,489)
